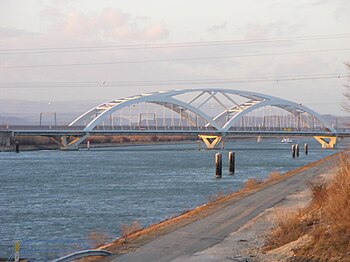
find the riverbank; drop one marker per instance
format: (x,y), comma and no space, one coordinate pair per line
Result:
(167,227)
(248,243)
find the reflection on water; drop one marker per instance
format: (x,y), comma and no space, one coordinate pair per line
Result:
(62,196)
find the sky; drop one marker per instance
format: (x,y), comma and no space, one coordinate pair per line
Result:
(41,39)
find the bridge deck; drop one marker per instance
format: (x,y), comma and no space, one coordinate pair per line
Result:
(79,131)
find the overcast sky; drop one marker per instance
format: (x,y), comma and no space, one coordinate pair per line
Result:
(38,24)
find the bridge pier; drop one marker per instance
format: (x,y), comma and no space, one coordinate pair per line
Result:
(211,142)
(5,140)
(327,142)
(69,142)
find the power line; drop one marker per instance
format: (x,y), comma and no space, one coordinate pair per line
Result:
(166,45)
(168,80)
(213,81)
(175,59)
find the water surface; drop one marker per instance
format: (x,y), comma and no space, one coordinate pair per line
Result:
(52,200)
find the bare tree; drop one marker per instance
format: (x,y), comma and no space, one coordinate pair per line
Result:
(346,105)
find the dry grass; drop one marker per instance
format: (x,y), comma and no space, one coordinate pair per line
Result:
(128,229)
(326,219)
(215,197)
(274,176)
(97,238)
(289,227)
(251,182)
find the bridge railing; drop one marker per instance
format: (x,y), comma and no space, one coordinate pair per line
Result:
(38,127)
(163,128)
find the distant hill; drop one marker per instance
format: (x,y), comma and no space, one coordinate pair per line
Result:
(337,121)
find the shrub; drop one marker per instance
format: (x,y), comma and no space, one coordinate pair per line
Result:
(97,238)
(216,196)
(251,182)
(128,229)
(326,219)
(274,176)
(289,228)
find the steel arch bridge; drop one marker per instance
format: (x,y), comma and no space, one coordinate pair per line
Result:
(217,112)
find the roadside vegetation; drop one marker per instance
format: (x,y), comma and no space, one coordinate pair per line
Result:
(324,223)
(128,229)
(98,238)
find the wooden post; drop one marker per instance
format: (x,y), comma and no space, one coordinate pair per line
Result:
(297,149)
(293,151)
(17,147)
(218,163)
(199,145)
(222,144)
(306,148)
(231,161)
(88,145)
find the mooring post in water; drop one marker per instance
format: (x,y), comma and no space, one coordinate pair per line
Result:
(218,163)
(297,149)
(293,151)
(88,145)
(306,148)
(17,147)
(199,145)
(222,144)
(231,161)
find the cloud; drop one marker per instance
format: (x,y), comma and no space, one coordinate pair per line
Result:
(279,28)
(51,12)
(219,27)
(109,24)
(302,65)
(343,10)
(6,32)
(63,2)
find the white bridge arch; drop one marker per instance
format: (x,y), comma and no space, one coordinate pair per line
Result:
(230,115)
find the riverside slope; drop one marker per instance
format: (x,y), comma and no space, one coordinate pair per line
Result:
(183,243)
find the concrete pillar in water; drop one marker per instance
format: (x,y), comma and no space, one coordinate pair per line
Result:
(218,164)
(297,149)
(231,162)
(17,147)
(306,148)
(293,151)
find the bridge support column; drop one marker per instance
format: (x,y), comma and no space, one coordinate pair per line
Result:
(327,142)
(5,140)
(211,142)
(69,142)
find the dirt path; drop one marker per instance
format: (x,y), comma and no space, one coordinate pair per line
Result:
(193,241)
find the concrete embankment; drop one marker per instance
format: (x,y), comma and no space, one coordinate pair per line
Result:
(191,236)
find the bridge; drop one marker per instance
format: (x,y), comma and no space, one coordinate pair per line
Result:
(211,114)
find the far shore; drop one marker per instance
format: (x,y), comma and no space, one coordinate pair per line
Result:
(97,145)
(36,147)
